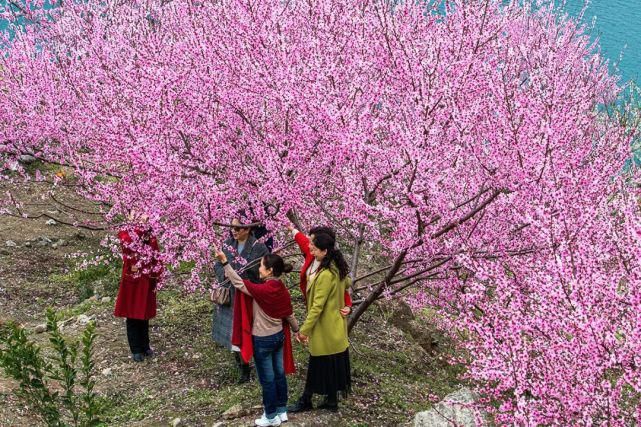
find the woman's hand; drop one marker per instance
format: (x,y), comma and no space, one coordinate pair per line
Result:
(303,339)
(220,255)
(290,228)
(346,311)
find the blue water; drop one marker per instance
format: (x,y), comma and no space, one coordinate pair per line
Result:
(617,24)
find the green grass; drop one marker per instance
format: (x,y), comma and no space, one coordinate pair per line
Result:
(41,166)
(75,310)
(85,280)
(124,409)
(400,372)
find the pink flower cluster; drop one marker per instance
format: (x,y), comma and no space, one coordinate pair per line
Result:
(471,134)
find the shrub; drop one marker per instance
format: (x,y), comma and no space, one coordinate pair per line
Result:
(39,378)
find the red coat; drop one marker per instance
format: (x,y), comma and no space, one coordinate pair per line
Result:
(303,244)
(136,296)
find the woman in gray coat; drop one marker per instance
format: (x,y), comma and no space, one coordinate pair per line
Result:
(243,245)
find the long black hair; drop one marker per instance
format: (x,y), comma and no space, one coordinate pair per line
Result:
(324,241)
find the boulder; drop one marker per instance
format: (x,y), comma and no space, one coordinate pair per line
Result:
(454,409)
(10,244)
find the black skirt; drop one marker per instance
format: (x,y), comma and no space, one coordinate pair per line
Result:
(329,374)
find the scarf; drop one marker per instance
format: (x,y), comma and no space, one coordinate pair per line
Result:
(274,299)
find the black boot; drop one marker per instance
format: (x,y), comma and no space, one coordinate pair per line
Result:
(303,404)
(243,369)
(330,403)
(244,373)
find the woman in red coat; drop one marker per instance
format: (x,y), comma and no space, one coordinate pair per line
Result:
(136,299)
(303,243)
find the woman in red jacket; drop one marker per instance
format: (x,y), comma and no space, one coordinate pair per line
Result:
(136,299)
(303,243)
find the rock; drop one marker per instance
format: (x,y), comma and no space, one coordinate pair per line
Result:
(235,411)
(106,372)
(27,244)
(175,422)
(53,212)
(454,409)
(43,241)
(40,328)
(83,319)
(4,252)
(26,158)
(105,300)
(10,244)
(218,424)
(79,235)
(58,243)
(51,222)
(196,356)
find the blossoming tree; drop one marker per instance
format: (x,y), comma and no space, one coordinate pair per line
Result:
(461,143)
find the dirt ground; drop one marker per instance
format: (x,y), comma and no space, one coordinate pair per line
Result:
(190,378)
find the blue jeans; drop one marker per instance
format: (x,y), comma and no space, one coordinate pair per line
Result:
(268,358)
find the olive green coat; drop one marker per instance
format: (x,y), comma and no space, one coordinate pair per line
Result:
(324,325)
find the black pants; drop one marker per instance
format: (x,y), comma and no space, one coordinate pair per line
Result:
(138,335)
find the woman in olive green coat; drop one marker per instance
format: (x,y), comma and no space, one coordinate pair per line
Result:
(325,329)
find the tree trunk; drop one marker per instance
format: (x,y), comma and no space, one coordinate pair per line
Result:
(373,296)
(357,252)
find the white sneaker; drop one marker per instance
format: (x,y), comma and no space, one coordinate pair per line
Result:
(282,416)
(267,422)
